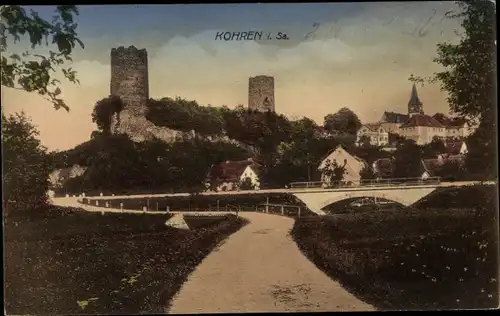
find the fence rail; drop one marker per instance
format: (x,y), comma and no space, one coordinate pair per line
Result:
(365,183)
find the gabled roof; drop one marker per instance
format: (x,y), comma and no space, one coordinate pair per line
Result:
(374,127)
(456,123)
(231,171)
(442,119)
(422,120)
(392,117)
(347,151)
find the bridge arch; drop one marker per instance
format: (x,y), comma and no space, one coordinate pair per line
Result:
(340,196)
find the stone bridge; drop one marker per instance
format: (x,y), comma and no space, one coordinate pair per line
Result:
(318,198)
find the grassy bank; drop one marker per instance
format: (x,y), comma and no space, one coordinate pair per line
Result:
(432,258)
(97,264)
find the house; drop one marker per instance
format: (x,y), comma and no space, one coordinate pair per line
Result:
(228,175)
(456,128)
(422,129)
(377,135)
(353,165)
(391,121)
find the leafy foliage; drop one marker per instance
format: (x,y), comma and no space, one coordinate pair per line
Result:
(344,121)
(434,148)
(469,77)
(333,172)
(451,170)
(34,72)
(407,160)
(103,112)
(26,165)
(246,184)
(367,173)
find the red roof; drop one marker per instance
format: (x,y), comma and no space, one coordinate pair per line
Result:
(422,120)
(231,171)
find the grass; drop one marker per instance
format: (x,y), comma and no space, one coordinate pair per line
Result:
(63,261)
(411,259)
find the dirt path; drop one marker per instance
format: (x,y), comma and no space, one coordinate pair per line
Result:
(260,269)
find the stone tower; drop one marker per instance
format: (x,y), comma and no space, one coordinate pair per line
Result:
(129,81)
(414,105)
(261,93)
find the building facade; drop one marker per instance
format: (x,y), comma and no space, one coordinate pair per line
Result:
(229,175)
(422,129)
(353,165)
(261,93)
(377,135)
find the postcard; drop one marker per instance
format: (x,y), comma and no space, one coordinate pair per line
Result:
(257,157)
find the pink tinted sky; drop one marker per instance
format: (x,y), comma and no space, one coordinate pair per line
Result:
(361,58)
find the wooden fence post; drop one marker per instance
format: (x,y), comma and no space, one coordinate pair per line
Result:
(217,205)
(282,210)
(267,205)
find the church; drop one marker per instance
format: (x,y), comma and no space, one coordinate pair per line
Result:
(415,125)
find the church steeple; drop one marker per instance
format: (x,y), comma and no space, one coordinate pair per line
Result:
(414,105)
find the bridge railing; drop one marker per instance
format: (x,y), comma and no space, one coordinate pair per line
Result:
(365,183)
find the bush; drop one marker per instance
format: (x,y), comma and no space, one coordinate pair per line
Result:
(26,165)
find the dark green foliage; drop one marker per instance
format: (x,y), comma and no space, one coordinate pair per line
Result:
(30,71)
(246,184)
(367,173)
(137,264)
(26,165)
(333,172)
(117,164)
(433,149)
(469,78)
(451,171)
(344,121)
(103,111)
(408,160)
(388,258)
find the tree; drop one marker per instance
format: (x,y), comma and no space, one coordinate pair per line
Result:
(367,173)
(344,121)
(407,161)
(469,77)
(333,172)
(450,170)
(364,141)
(103,112)
(396,139)
(33,72)
(246,184)
(26,165)
(434,148)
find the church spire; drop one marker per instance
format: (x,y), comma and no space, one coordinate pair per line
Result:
(415,106)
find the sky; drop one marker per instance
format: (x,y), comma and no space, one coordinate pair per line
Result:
(360,57)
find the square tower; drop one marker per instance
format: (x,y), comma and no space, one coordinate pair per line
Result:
(261,93)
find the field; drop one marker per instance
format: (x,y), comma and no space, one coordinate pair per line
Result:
(63,261)
(416,259)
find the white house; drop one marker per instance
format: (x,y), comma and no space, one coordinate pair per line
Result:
(353,165)
(422,129)
(458,129)
(228,175)
(375,132)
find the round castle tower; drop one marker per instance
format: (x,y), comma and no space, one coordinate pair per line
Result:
(261,93)
(129,78)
